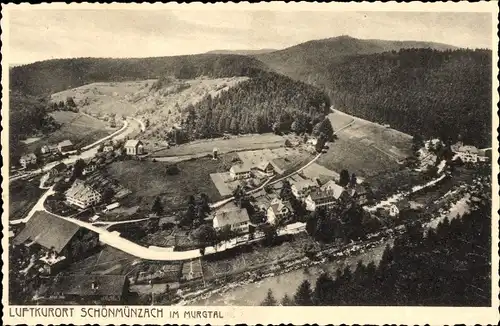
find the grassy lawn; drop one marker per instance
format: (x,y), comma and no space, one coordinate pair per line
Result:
(77,127)
(235,143)
(148,180)
(23,195)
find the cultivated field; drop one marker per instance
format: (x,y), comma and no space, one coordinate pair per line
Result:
(235,143)
(148,180)
(109,261)
(365,148)
(77,127)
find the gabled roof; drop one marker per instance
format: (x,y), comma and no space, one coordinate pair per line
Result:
(80,190)
(65,143)
(231,216)
(278,207)
(29,156)
(81,285)
(334,188)
(240,169)
(132,143)
(60,167)
(263,165)
(305,184)
(48,231)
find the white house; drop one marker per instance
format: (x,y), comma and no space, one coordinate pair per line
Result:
(47,149)
(134,147)
(83,195)
(65,146)
(240,172)
(27,160)
(278,210)
(312,141)
(303,188)
(108,148)
(328,196)
(265,167)
(236,218)
(466,153)
(395,209)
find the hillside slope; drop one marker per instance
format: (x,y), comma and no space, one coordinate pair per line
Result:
(48,77)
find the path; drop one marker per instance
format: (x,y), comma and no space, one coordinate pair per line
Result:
(38,207)
(87,154)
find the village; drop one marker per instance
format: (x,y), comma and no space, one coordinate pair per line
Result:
(263,195)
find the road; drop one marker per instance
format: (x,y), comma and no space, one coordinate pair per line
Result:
(91,150)
(38,207)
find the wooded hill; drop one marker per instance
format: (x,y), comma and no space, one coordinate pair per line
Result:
(264,103)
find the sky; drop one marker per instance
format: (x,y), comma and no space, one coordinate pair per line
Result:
(36,35)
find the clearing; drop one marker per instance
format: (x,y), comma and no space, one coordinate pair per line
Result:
(365,148)
(23,195)
(162,103)
(81,129)
(148,180)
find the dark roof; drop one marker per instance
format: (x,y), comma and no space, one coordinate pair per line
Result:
(48,231)
(65,143)
(60,167)
(81,285)
(231,216)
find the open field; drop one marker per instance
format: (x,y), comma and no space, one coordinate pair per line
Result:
(235,143)
(162,106)
(148,180)
(77,127)
(23,195)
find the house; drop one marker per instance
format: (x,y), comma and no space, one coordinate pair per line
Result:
(65,146)
(303,188)
(240,172)
(58,169)
(108,148)
(87,289)
(91,167)
(47,149)
(466,153)
(265,167)
(312,141)
(328,196)
(399,207)
(360,193)
(83,195)
(237,219)
(48,231)
(134,147)
(278,210)
(27,160)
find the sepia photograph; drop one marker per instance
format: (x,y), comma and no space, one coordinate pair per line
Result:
(196,157)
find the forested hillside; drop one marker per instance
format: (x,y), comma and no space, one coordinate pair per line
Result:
(48,77)
(449,266)
(417,91)
(266,102)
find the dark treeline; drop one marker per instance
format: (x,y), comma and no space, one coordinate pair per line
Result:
(418,91)
(47,77)
(266,102)
(448,266)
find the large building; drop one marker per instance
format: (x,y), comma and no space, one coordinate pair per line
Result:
(134,147)
(303,188)
(266,168)
(240,172)
(65,146)
(278,210)
(27,160)
(83,195)
(329,195)
(234,217)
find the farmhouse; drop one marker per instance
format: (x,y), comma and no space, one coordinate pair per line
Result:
(134,147)
(58,169)
(278,210)
(83,195)
(328,196)
(65,146)
(104,289)
(236,218)
(108,148)
(239,172)
(27,160)
(47,149)
(303,188)
(466,153)
(265,167)
(360,193)
(397,208)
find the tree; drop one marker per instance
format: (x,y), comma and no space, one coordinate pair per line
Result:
(157,207)
(78,168)
(324,128)
(286,190)
(303,295)
(323,291)
(225,233)
(353,181)
(205,235)
(70,102)
(344,178)
(286,301)
(320,144)
(108,194)
(417,143)
(269,300)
